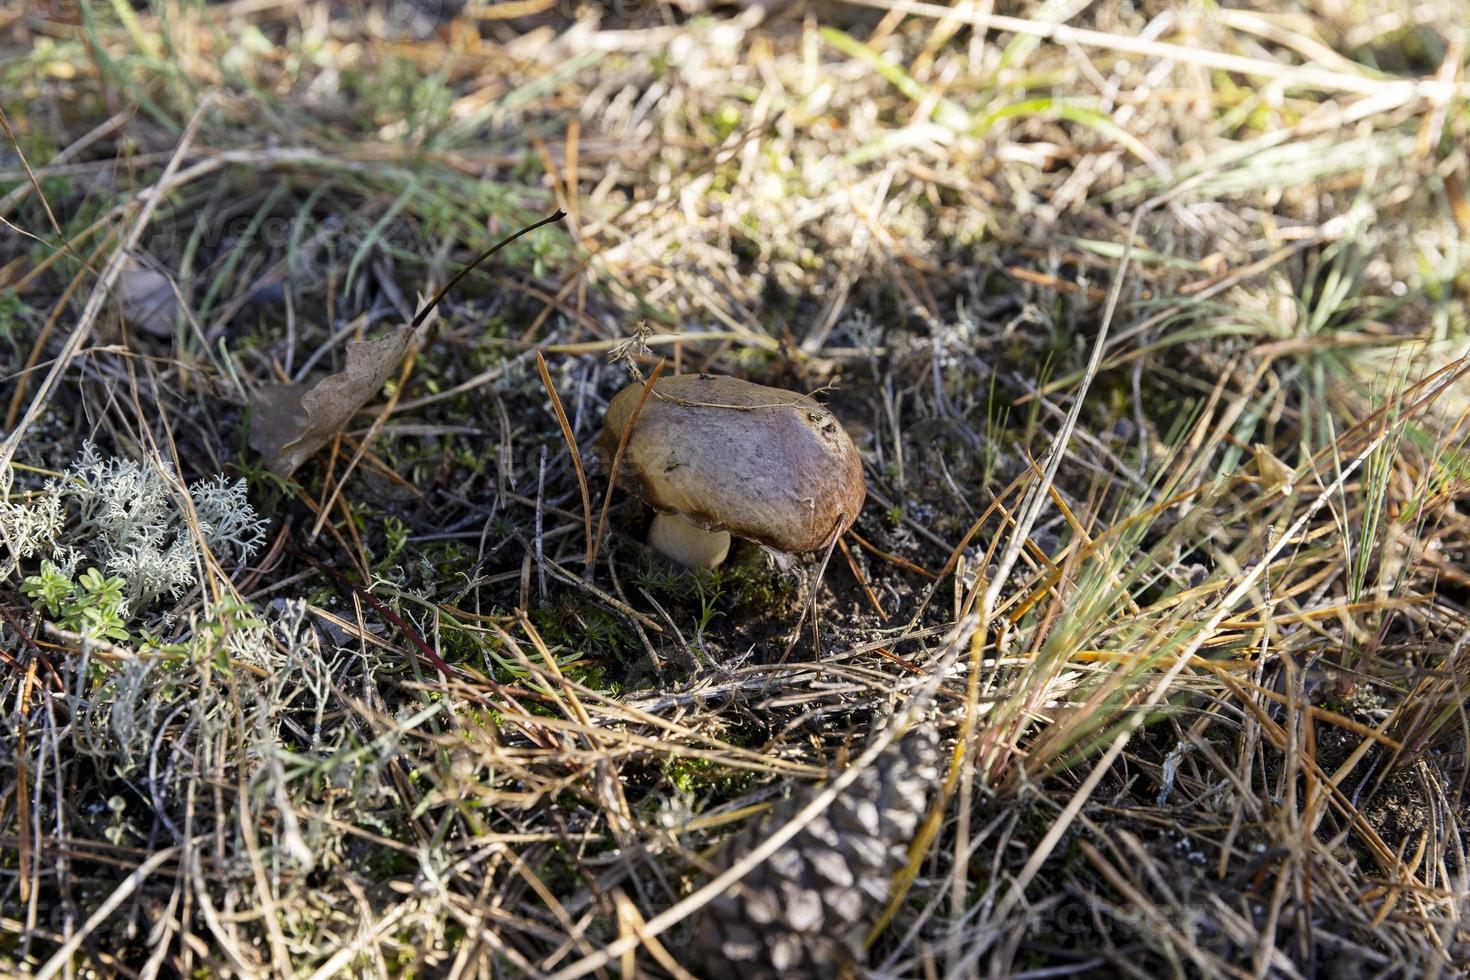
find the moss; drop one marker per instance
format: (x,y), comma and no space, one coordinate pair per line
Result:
(383,863)
(667,580)
(688,775)
(594,676)
(573,623)
(752,583)
(479,716)
(706,781)
(459,644)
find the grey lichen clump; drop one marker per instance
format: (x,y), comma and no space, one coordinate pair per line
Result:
(805,912)
(129,518)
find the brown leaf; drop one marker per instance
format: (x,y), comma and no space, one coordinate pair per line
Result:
(148,300)
(290,422)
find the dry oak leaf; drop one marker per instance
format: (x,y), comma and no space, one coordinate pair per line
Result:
(290,422)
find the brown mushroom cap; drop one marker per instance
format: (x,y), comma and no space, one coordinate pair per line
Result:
(766,464)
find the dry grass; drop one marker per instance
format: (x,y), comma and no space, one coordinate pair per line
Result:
(1152,328)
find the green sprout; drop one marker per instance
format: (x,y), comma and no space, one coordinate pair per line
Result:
(93,606)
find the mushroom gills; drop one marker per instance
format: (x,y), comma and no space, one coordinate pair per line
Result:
(686,543)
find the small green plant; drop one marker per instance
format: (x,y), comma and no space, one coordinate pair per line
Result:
(689,775)
(397,534)
(93,605)
(52,589)
(707,610)
(12,320)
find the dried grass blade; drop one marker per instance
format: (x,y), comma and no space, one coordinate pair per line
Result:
(566,432)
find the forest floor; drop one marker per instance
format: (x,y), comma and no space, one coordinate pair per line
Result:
(1149,323)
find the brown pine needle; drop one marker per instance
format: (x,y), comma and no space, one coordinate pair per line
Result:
(863,582)
(892,559)
(566,432)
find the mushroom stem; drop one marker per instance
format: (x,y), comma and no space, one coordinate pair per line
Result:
(688,544)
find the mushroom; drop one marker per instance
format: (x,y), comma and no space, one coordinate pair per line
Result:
(717,456)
